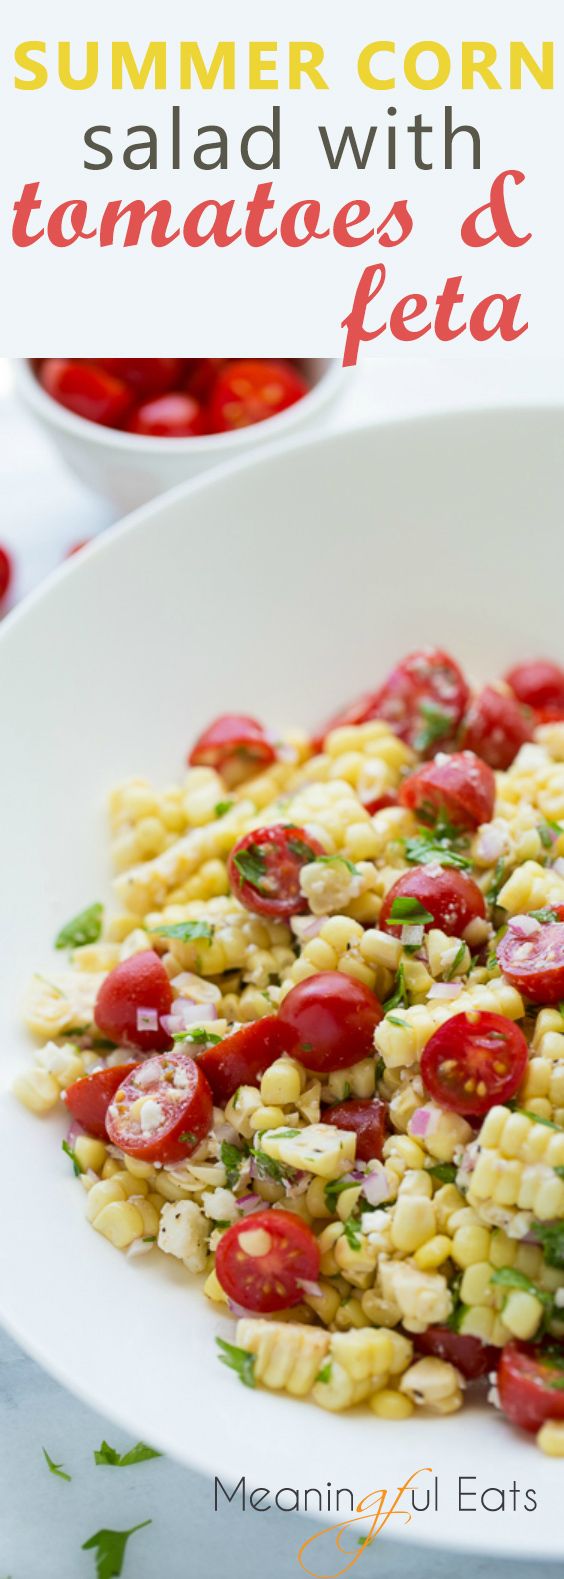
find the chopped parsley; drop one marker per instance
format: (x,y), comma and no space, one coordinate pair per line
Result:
(394,1019)
(551,1236)
(497,881)
(329,860)
(232,1158)
(188,1137)
(77,1167)
(239,1360)
(222,806)
(334,1189)
(536,1119)
(251,865)
(199,1037)
(267,1167)
(458,958)
(324,1375)
(443,1172)
(186,931)
(436,724)
(303,851)
(543,915)
(136,1455)
(109,1546)
(353,1233)
(399,998)
(86,927)
(548,832)
(407,910)
(509,1278)
(56,1469)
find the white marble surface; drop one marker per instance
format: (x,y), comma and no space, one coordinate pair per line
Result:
(43,1520)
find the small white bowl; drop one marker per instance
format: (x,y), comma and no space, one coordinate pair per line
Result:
(129,470)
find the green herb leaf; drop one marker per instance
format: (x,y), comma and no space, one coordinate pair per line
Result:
(333,1189)
(251,865)
(239,1360)
(459,956)
(136,1455)
(543,915)
(56,1469)
(186,931)
(353,1233)
(287,1134)
(443,1172)
(407,910)
(551,1237)
(559,1171)
(86,927)
(188,1137)
(394,1019)
(232,1158)
(199,1037)
(330,860)
(399,998)
(548,832)
(302,850)
(77,1168)
(267,1167)
(109,1546)
(497,881)
(508,1277)
(436,725)
(324,1375)
(536,1119)
(222,807)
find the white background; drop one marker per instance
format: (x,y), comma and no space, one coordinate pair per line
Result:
(85,299)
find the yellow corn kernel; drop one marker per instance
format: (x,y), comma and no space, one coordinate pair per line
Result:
(522,1314)
(433,1253)
(129,1185)
(326,1304)
(149,1215)
(315,1199)
(476,1285)
(90,1153)
(101,1195)
(433,1383)
(470,1244)
(36,1090)
(550,1438)
(282,1084)
(348,1315)
(139,1170)
(391,1405)
(503,1250)
(120,1222)
(413,1223)
(213,1289)
(266,1118)
(347,1202)
(478,1322)
(446,1201)
(402,1150)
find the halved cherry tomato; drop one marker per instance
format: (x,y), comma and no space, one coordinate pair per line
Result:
(264,869)
(474,1061)
(380,802)
(495,727)
(235,745)
(422,700)
(172,416)
(368,1121)
(247,392)
(200,373)
(452,899)
(146,376)
(88,1099)
(262,1261)
(534,963)
(470,1356)
(87,390)
(540,685)
(333,1018)
(240,1059)
(361,711)
(6,572)
(531,1384)
(162,1110)
(459,788)
(131,1001)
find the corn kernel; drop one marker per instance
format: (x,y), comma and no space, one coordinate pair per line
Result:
(391,1405)
(550,1438)
(120,1222)
(433,1253)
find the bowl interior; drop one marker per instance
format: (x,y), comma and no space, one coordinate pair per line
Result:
(279,587)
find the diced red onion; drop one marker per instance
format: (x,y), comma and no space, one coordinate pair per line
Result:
(147,1020)
(240,1310)
(74,1130)
(138,1247)
(412,936)
(421,1121)
(491,843)
(249,1203)
(375,1187)
(309,1287)
(306,927)
(444,989)
(298,1185)
(524,926)
(184,1014)
(558,866)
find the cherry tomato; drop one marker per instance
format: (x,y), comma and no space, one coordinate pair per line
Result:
(88,1099)
(470,1356)
(472,1062)
(247,392)
(361,711)
(495,727)
(460,789)
(423,699)
(146,376)
(530,1382)
(380,802)
(200,373)
(367,1120)
(172,416)
(264,869)
(534,963)
(236,746)
(162,1110)
(333,1018)
(131,1001)
(240,1059)
(262,1261)
(87,390)
(452,899)
(6,572)
(540,685)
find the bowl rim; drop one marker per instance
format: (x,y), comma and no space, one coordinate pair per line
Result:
(330,379)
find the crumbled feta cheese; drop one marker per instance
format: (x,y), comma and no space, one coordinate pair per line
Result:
(183,1233)
(151,1116)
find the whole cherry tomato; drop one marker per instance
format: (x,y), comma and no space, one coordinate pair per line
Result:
(162,1110)
(533,961)
(262,1262)
(539,685)
(240,1059)
(472,1062)
(248,392)
(6,573)
(264,869)
(145,376)
(88,1099)
(172,416)
(422,700)
(235,745)
(368,1121)
(459,789)
(495,727)
(131,1002)
(432,896)
(333,1019)
(87,390)
(529,1382)
(470,1356)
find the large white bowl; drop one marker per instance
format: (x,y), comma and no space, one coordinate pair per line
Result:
(129,469)
(341,554)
